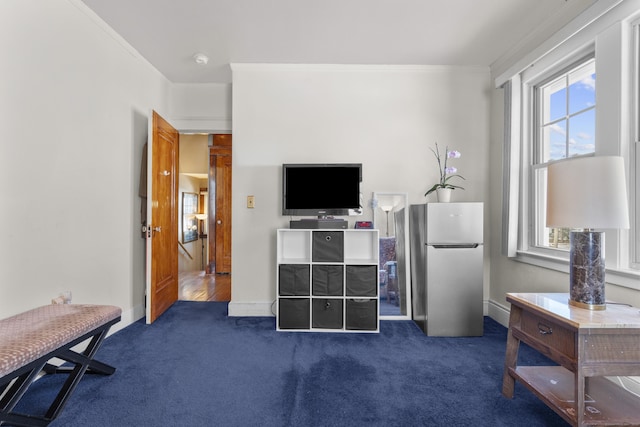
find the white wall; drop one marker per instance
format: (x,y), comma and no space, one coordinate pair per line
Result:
(74,106)
(385,117)
(200,107)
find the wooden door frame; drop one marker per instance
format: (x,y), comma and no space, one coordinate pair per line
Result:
(221,144)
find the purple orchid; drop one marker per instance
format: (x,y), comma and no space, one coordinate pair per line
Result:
(446,172)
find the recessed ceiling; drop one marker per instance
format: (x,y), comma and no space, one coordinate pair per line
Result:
(409,32)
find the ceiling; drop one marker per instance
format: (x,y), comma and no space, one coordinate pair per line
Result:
(395,32)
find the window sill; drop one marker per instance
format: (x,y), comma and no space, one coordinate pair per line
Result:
(625,278)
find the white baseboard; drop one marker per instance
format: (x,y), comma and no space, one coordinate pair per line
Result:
(127,318)
(256,308)
(499,313)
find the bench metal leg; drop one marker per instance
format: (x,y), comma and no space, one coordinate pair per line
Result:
(15,388)
(82,363)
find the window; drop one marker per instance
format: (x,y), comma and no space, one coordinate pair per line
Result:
(564,114)
(553,111)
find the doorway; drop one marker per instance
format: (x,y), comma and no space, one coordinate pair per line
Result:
(204,262)
(220,203)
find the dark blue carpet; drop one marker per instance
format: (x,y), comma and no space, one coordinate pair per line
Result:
(197,367)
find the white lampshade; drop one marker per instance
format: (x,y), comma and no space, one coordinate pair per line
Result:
(201,216)
(588,192)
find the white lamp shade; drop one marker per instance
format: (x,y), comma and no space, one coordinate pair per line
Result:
(201,216)
(588,192)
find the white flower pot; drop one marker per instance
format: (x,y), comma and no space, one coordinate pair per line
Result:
(444,195)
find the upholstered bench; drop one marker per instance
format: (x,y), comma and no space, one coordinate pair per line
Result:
(28,342)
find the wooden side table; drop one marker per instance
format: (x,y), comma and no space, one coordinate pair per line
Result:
(587,345)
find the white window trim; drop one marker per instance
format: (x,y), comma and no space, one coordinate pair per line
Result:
(527,216)
(634,179)
(511,168)
(621,270)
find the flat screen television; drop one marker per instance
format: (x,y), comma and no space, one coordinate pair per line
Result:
(321,189)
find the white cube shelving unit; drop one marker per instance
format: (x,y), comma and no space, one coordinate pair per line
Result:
(327,280)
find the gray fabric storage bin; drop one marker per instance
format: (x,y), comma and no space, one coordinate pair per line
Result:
(362,280)
(362,314)
(326,313)
(293,313)
(328,246)
(327,280)
(293,279)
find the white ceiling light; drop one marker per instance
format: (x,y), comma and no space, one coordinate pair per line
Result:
(201,58)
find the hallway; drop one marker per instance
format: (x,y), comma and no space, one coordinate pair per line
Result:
(198,286)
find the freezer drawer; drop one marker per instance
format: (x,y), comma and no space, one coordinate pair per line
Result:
(451,223)
(454,291)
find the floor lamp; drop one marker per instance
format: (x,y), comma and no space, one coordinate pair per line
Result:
(202,217)
(386,210)
(585,194)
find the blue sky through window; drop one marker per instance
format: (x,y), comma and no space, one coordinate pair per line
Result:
(568,114)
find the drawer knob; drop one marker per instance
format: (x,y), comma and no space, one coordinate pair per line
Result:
(544,329)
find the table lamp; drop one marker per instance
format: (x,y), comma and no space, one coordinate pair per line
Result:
(584,194)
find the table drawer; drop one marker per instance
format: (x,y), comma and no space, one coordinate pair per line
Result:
(550,334)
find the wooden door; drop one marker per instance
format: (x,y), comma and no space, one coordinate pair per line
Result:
(220,193)
(162,217)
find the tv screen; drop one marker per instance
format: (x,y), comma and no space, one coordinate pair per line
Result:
(321,189)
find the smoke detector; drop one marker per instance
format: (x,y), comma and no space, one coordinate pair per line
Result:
(201,58)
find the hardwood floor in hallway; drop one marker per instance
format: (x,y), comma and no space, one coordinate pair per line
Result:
(198,286)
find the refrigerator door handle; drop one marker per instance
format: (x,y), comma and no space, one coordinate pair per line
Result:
(468,246)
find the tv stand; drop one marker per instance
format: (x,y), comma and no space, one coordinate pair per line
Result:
(317,223)
(327,280)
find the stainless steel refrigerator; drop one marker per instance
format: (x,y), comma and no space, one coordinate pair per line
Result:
(446,242)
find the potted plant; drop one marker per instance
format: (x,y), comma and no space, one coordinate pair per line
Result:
(443,188)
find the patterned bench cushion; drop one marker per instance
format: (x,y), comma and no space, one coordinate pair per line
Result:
(30,335)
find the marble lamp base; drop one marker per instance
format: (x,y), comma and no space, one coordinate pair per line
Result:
(586,270)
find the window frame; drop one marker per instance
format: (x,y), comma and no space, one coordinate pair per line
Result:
(538,164)
(617,119)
